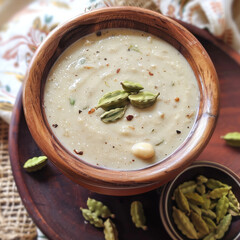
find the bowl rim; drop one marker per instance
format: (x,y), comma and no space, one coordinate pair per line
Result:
(151,175)
(171,230)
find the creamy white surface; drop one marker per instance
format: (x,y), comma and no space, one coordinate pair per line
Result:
(96,65)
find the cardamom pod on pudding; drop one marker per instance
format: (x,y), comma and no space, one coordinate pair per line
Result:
(35,163)
(232,139)
(143,99)
(112,100)
(129,86)
(113,115)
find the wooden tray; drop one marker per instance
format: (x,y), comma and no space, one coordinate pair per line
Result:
(53,201)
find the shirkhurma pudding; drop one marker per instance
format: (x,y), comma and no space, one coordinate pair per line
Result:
(121,99)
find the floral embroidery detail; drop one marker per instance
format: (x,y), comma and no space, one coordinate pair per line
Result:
(32,40)
(217,7)
(171,10)
(192,11)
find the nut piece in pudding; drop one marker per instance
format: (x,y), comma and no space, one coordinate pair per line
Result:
(143,150)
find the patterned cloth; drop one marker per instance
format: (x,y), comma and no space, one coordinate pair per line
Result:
(21,36)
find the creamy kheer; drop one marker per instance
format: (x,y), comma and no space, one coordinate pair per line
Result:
(97,64)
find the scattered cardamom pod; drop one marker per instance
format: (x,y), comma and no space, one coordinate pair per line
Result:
(92,218)
(99,208)
(113,115)
(137,214)
(143,99)
(111,100)
(34,164)
(110,230)
(131,86)
(232,139)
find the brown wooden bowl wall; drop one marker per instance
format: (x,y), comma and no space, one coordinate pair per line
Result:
(108,181)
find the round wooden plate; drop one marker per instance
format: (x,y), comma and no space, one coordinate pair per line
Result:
(53,201)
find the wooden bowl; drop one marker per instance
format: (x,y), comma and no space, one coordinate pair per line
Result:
(210,170)
(106,181)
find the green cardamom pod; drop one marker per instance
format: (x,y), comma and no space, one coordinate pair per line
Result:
(232,139)
(137,214)
(211,224)
(206,201)
(194,198)
(113,115)
(201,189)
(99,208)
(223,226)
(208,213)
(182,201)
(188,186)
(201,179)
(199,223)
(222,208)
(212,184)
(232,198)
(213,205)
(34,164)
(110,230)
(143,99)
(131,86)
(92,218)
(184,224)
(116,99)
(195,208)
(219,192)
(233,210)
(210,236)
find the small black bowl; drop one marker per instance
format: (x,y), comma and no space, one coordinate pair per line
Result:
(210,170)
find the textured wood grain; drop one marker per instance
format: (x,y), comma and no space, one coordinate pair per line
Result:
(53,200)
(104,180)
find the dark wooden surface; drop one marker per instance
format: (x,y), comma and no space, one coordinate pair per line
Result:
(53,201)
